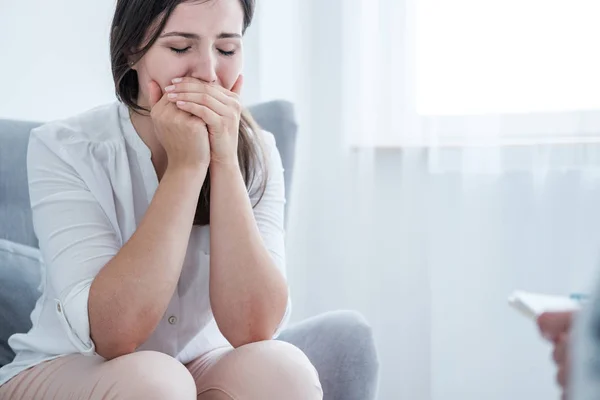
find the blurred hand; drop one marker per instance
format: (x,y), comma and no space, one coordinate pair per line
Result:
(556,328)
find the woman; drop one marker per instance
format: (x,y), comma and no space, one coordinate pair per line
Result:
(133,307)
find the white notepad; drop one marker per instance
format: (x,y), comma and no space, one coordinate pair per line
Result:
(532,305)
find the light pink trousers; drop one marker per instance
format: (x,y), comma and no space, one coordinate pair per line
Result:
(270,370)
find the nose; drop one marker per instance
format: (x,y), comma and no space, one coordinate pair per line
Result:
(205,68)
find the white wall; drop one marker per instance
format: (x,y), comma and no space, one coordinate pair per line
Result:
(55,57)
(271,47)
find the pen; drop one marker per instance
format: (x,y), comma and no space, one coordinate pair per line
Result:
(579,297)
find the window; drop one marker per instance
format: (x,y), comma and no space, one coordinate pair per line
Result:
(507,56)
(438,71)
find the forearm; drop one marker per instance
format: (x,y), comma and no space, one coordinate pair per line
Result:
(131,293)
(248,293)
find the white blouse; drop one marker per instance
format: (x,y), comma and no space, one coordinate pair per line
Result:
(91,180)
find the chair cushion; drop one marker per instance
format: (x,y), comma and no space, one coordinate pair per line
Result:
(20,272)
(15,213)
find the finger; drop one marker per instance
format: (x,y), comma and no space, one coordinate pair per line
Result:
(188,84)
(203,99)
(552,324)
(559,355)
(562,377)
(210,118)
(154,93)
(237,86)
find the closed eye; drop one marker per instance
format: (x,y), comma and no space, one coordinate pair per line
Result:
(180,51)
(227,53)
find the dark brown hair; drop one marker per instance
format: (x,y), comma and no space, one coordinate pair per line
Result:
(133,22)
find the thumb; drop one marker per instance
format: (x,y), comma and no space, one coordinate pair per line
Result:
(553,324)
(154,93)
(237,86)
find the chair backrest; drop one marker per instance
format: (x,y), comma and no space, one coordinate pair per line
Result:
(276,117)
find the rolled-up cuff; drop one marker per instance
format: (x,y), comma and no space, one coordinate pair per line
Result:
(72,312)
(285,319)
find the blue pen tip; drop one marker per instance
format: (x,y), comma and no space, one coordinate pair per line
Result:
(579,296)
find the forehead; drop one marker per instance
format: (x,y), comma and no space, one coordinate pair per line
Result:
(207,18)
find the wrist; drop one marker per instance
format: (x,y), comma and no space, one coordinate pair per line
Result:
(231,164)
(225,169)
(189,171)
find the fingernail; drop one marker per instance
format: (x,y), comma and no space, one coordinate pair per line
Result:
(170,88)
(172,95)
(181,103)
(177,80)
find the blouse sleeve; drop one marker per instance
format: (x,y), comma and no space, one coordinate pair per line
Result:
(269,212)
(76,237)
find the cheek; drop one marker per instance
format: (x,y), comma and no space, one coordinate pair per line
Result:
(160,68)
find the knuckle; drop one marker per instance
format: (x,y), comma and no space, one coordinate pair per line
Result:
(179,119)
(543,321)
(154,112)
(158,119)
(192,126)
(204,97)
(561,377)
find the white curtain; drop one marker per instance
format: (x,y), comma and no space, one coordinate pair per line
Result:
(425,222)
(378,72)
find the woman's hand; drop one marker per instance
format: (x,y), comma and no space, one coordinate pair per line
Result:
(556,328)
(183,136)
(219,108)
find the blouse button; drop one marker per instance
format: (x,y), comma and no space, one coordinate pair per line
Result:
(172,320)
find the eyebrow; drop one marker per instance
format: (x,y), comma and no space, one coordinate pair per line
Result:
(187,35)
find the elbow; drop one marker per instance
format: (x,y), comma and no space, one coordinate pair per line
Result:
(111,343)
(115,349)
(252,336)
(117,336)
(258,320)
(258,328)
(110,353)
(261,326)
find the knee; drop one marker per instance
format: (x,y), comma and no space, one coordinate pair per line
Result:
(272,370)
(155,376)
(287,366)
